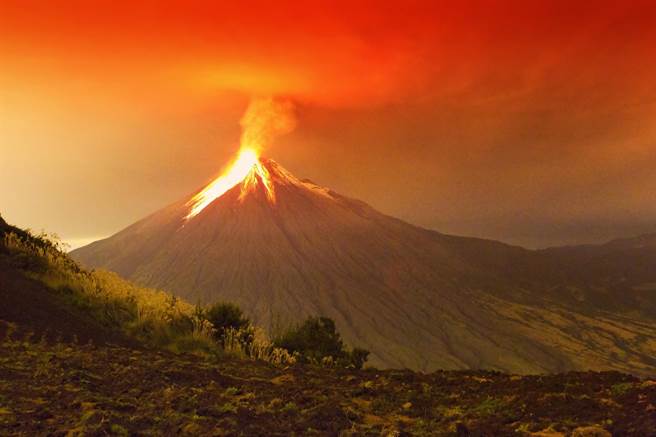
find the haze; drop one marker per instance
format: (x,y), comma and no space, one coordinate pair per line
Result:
(531,123)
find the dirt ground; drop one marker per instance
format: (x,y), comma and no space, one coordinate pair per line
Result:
(72,389)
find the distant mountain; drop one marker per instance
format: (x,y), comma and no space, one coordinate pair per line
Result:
(284,248)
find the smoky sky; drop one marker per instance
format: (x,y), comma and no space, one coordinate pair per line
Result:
(526,122)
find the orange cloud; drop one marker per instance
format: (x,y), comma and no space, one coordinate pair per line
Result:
(332,53)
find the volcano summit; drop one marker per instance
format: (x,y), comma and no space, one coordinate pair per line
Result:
(285,248)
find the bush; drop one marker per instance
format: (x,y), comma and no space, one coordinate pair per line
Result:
(317,341)
(358,357)
(226,318)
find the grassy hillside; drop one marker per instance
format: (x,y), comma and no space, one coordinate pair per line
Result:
(98,300)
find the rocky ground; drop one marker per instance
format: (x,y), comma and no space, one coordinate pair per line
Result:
(70,389)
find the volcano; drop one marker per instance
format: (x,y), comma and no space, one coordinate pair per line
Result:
(285,248)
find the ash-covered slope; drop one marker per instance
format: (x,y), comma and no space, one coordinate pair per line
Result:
(415,298)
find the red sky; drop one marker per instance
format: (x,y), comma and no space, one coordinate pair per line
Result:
(530,122)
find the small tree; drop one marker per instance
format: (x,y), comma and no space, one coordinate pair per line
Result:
(357,357)
(226,316)
(316,340)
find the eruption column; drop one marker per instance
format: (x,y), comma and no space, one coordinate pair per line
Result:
(263,121)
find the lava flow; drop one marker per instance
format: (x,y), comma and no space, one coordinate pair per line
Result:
(247,168)
(264,120)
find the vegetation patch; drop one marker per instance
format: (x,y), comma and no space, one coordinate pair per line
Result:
(317,341)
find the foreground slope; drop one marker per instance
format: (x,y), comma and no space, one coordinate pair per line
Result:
(91,390)
(415,298)
(31,306)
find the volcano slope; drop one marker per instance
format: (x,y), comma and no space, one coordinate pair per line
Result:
(414,297)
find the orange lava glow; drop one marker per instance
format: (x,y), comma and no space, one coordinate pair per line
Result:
(246,168)
(263,121)
(258,173)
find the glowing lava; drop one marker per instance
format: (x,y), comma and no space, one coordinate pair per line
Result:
(246,169)
(264,120)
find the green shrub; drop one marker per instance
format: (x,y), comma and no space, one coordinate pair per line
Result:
(228,318)
(358,357)
(317,341)
(621,388)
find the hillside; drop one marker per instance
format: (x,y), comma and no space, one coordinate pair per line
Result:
(47,296)
(91,390)
(30,304)
(619,276)
(415,298)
